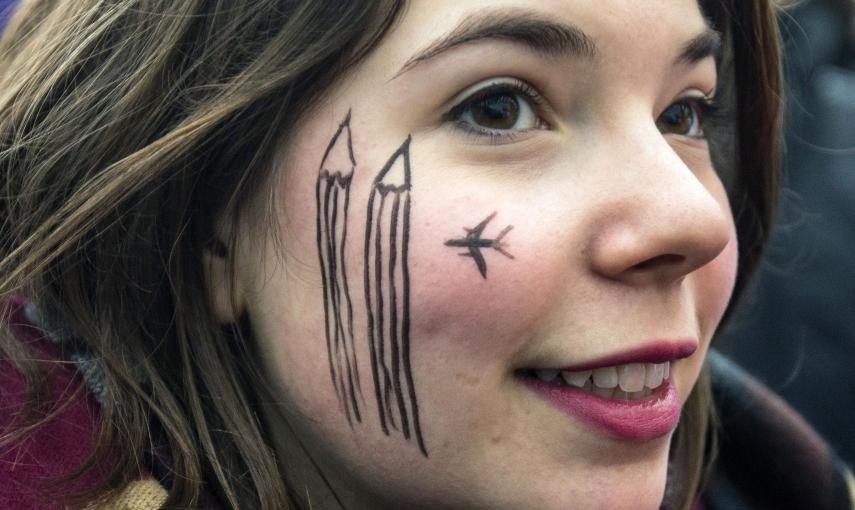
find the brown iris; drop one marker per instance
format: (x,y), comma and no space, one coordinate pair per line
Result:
(679,119)
(497,111)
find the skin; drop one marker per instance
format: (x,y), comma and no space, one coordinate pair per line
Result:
(622,235)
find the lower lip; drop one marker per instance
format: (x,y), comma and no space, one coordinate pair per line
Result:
(635,420)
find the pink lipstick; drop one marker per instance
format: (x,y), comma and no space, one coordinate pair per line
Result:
(636,420)
(654,352)
(628,395)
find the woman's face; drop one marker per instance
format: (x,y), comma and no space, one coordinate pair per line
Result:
(502,191)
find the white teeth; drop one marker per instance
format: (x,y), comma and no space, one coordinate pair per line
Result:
(546,375)
(631,377)
(606,377)
(577,379)
(632,381)
(654,373)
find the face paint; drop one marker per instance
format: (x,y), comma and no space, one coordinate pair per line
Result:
(387,295)
(332,195)
(474,242)
(387,285)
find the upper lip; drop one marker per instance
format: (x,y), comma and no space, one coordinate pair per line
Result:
(658,351)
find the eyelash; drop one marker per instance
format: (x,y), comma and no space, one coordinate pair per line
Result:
(711,110)
(513,87)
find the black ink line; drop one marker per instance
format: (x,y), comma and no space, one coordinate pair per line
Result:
(334,289)
(320,242)
(386,389)
(394,338)
(474,243)
(336,174)
(394,312)
(341,336)
(372,348)
(405,326)
(352,344)
(389,350)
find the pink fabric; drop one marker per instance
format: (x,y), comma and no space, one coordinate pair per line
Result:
(28,467)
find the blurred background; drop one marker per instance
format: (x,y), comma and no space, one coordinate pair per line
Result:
(5,11)
(795,329)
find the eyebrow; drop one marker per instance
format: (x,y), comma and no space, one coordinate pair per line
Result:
(545,36)
(538,34)
(706,44)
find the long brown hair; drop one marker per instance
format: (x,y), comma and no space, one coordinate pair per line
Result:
(125,126)
(746,151)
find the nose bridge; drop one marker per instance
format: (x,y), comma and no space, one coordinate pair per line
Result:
(661,220)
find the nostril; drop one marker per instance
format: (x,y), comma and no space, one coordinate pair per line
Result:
(668,259)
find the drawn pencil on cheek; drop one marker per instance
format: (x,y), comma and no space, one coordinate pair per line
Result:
(332,195)
(387,295)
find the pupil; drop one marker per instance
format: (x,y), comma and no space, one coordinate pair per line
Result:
(677,118)
(497,112)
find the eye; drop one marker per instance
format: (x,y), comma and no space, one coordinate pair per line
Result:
(686,117)
(498,110)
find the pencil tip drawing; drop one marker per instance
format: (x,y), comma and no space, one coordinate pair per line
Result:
(332,197)
(338,161)
(387,285)
(387,296)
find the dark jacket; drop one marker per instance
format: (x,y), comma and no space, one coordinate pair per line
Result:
(769,457)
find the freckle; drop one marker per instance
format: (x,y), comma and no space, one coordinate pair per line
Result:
(467,379)
(496,439)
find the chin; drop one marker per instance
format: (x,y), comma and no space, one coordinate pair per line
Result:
(612,485)
(619,490)
(636,484)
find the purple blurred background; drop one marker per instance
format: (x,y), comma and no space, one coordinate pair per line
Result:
(5,11)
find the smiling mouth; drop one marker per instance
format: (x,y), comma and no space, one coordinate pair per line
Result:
(631,381)
(629,395)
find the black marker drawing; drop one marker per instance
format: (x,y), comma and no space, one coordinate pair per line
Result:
(387,296)
(332,193)
(474,243)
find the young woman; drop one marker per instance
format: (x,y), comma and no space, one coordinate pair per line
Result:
(376,255)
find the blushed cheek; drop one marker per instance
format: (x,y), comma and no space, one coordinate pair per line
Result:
(458,313)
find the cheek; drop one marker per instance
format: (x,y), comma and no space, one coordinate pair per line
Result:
(458,312)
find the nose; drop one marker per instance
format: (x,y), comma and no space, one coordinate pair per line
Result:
(662,221)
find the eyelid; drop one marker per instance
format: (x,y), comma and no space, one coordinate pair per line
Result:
(694,93)
(491,86)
